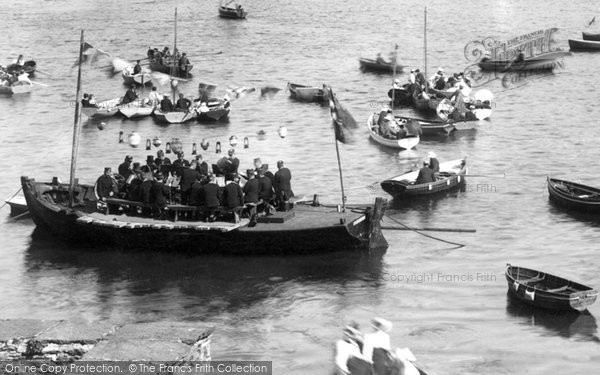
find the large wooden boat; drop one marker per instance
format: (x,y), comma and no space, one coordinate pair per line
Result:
(407,142)
(307,93)
(140,79)
(548,291)
(105,109)
(584,45)
(545,62)
(574,196)
(451,177)
(233,13)
(19,87)
(590,36)
(309,229)
(380,67)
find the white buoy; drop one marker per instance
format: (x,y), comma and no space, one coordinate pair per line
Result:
(233,141)
(156,142)
(101,125)
(282,131)
(134,139)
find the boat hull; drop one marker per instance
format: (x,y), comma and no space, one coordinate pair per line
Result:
(307,93)
(542,290)
(218,114)
(166,69)
(590,36)
(373,66)
(175,117)
(401,187)
(542,63)
(406,143)
(584,45)
(18,205)
(311,230)
(232,13)
(574,196)
(136,111)
(19,87)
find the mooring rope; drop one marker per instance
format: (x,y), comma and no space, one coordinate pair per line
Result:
(14,195)
(426,235)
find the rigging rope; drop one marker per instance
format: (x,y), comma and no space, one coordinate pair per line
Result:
(423,234)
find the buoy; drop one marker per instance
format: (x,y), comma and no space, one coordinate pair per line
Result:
(148,144)
(282,131)
(193,148)
(121,136)
(176,145)
(233,141)
(204,144)
(101,125)
(168,147)
(246,142)
(218,150)
(174,83)
(156,142)
(134,139)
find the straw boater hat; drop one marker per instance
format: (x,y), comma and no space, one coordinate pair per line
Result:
(381,324)
(431,154)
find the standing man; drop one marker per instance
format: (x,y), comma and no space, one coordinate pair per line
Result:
(137,69)
(130,96)
(283,185)
(189,175)
(233,196)
(212,196)
(154,97)
(161,159)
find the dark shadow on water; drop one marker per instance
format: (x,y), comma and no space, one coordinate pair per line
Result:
(568,324)
(192,286)
(593,220)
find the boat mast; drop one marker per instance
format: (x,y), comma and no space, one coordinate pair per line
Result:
(394,61)
(425,50)
(173,58)
(76,126)
(337,152)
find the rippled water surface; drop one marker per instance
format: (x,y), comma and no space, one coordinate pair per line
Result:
(448,304)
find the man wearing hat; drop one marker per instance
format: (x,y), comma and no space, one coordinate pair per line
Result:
(180,161)
(161,159)
(434,164)
(426,174)
(377,344)
(201,166)
(282,185)
(233,196)
(438,81)
(166,105)
(106,186)
(133,183)
(125,167)
(150,163)
(212,198)
(189,175)
(160,193)
(130,96)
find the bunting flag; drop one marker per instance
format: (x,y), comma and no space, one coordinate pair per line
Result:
(239,92)
(268,91)
(206,90)
(90,54)
(343,122)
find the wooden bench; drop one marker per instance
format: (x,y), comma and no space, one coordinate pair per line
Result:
(116,202)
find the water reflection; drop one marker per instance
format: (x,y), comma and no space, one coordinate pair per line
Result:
(176,285)
(593,220)
(569,324)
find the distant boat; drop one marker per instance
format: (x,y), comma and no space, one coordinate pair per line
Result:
(381,67)
(451,177)
(584,45)
(307,93)
(19,87)
(545,62)
(439,127)
(409,141)
(28,67)
(574,196)
(141,79)
(548,291)
(215,110)
(235,13)
(107,108)
(590,36)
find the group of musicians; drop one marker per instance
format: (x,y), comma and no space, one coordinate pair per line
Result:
(223,190)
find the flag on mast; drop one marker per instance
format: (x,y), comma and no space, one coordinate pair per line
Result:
(90,54)
(343,122)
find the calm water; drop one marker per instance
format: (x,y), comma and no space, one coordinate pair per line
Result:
(452,312)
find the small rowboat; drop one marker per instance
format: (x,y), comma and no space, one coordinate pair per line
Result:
(136,109)
(434,127)
(548,291)
(307,93)
(175,117)
(584,45)
(233,13)
(105,109)
(18,205)
(28,67)
(19,87)
(169,68)
(545,62)
(215,110)
(590,36)
(374,66)
(400,96)
(451,176)
(140,79)
(574,196)
(405,143)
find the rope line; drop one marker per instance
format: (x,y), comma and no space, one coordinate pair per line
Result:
(426,235)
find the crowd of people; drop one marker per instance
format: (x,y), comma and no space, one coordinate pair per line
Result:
(166,58)
(220,190)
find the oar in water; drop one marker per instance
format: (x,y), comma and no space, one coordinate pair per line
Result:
(38,83)
(457,230)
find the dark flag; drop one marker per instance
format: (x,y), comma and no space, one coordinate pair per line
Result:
(206,91)
(592,21)
(268,91)
(343,122)
(90,54)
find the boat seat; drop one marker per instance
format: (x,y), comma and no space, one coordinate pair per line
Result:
(556,290)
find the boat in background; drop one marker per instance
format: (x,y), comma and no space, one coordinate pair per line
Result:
(138,108)
(19,87)
(215,110)
(18,205)
(590,36)
(107,108)
(584,45)
(28,67)
(307,93)
(233,13)
(451,177)
(408,142)
(140,79)
(541,63)
(574,196)
(380,67)
(548,291)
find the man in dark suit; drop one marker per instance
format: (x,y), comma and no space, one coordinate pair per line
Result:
(160,193)
(125,167)
(201,166)
(426,174)
(212,196)
(106,185)
(161,159)
(265,191)
(251,188)
(229,164)
(196,197)
(189,175)
(283,185)
(180,161)
(233,196)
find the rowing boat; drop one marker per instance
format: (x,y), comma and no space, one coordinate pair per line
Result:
(584,45)
(548,291)
(107,108)
(233,13)
(409,141)
(19,87)
(307,93)
(381,67)
(574,196)
(18,205)
(175,117)
(140,79)
(451,177)
(590,36)
(545,62)
(136,109)
(215,110)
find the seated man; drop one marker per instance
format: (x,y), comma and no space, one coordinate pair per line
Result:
(233,196)
(426,174)
(183,104)
(130,96)
(380,59)
(433,162)
(166,105)
(106,185)
(212,198)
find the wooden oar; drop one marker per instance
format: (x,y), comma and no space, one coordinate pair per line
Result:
(457,230)
(42,72)
(37,83)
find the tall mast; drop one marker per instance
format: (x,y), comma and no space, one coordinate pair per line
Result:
(395,62)
(425,49)
(173,71)
(76,126)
